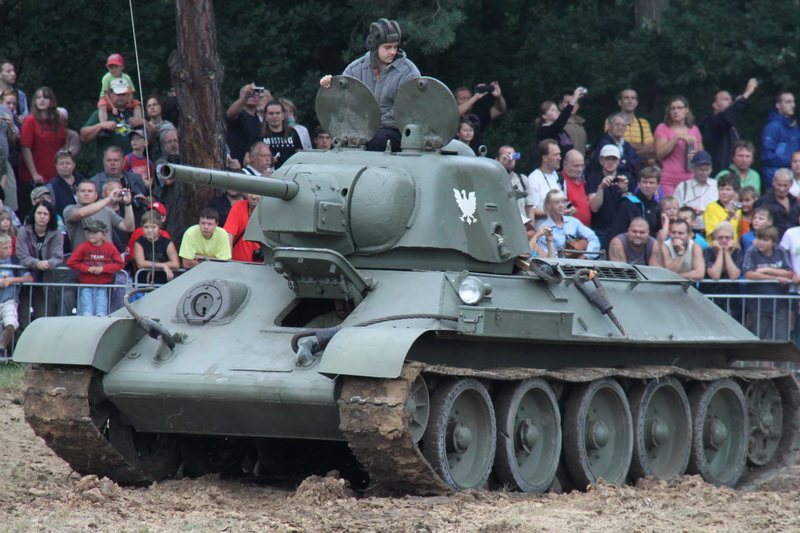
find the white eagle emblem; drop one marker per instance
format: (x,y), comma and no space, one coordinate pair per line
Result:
(466,202)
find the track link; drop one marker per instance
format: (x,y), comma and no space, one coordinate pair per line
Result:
(60,409)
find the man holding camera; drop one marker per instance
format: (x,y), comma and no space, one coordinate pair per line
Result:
(113,164)
(482,116)
(244,126)
(508,157)
(605,189)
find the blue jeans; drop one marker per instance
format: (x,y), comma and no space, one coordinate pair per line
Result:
(93,301)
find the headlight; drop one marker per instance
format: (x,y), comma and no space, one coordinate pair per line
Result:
(471,290)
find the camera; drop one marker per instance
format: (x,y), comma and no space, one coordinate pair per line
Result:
(484,88)
(515,155)
(258,90)
(569,204)
(615,180)
(737,205)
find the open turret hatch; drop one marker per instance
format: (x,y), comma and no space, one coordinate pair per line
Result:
(430,105)
(348,111)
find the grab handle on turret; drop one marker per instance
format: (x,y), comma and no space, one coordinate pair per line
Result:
(264,186)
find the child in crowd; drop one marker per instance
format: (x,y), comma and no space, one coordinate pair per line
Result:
(138,160)
(762,217)
(669,214)
(7,228)
(747,197)
(726,207)
(466,130)
(153,251)
(115,66)
(689,215)
(769,318)
(9,294)
(96,262)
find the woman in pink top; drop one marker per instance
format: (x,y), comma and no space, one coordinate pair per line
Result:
(673,138)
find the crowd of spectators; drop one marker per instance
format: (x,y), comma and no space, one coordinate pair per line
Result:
(645,195)
(683,196)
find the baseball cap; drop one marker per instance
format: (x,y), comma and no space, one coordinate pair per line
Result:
(139,132)
(115,59)
(609,150)
(120,86)
(96,226)
(38,192)
(701,158)
(158,206)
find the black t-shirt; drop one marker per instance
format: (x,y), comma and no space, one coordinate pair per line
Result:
(155,251)
(39,244)
(282,147)
(242,133)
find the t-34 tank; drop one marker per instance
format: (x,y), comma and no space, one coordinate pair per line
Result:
(458,366)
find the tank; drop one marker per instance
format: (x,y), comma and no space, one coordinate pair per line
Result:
(400,333)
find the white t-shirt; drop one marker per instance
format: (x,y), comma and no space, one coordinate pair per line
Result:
(791,243)
(541,184)
(698,196)
(520,181)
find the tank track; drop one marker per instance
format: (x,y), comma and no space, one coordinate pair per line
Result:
(374,420)
(58,408)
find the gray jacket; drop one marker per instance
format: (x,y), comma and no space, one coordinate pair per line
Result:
(385,85)
(52,249)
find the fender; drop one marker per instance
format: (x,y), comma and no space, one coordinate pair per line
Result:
(100,342)
(375,352)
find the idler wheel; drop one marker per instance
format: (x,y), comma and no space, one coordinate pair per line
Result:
(662,429)
(528,435)
(460,440)
(598,433)
(418,406)
(719,432)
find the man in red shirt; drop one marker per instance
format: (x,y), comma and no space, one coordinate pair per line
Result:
(575,185)
(235,225)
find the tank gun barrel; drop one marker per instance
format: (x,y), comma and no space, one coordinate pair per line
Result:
(273,187)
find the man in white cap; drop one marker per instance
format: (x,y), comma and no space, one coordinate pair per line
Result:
(110,132)
(384,68)
(605,189)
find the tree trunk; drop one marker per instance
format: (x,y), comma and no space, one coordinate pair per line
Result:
(197,76)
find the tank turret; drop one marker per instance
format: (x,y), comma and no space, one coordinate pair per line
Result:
(407,210)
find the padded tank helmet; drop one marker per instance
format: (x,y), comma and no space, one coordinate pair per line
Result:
(382,32)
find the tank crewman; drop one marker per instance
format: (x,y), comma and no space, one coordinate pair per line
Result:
(205,240)
(384,68)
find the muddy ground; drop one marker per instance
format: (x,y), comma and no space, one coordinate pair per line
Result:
(39,492)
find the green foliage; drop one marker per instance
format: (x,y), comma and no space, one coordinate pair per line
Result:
(533,48)
(11,375)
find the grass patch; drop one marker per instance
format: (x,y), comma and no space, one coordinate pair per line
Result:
(11,374)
